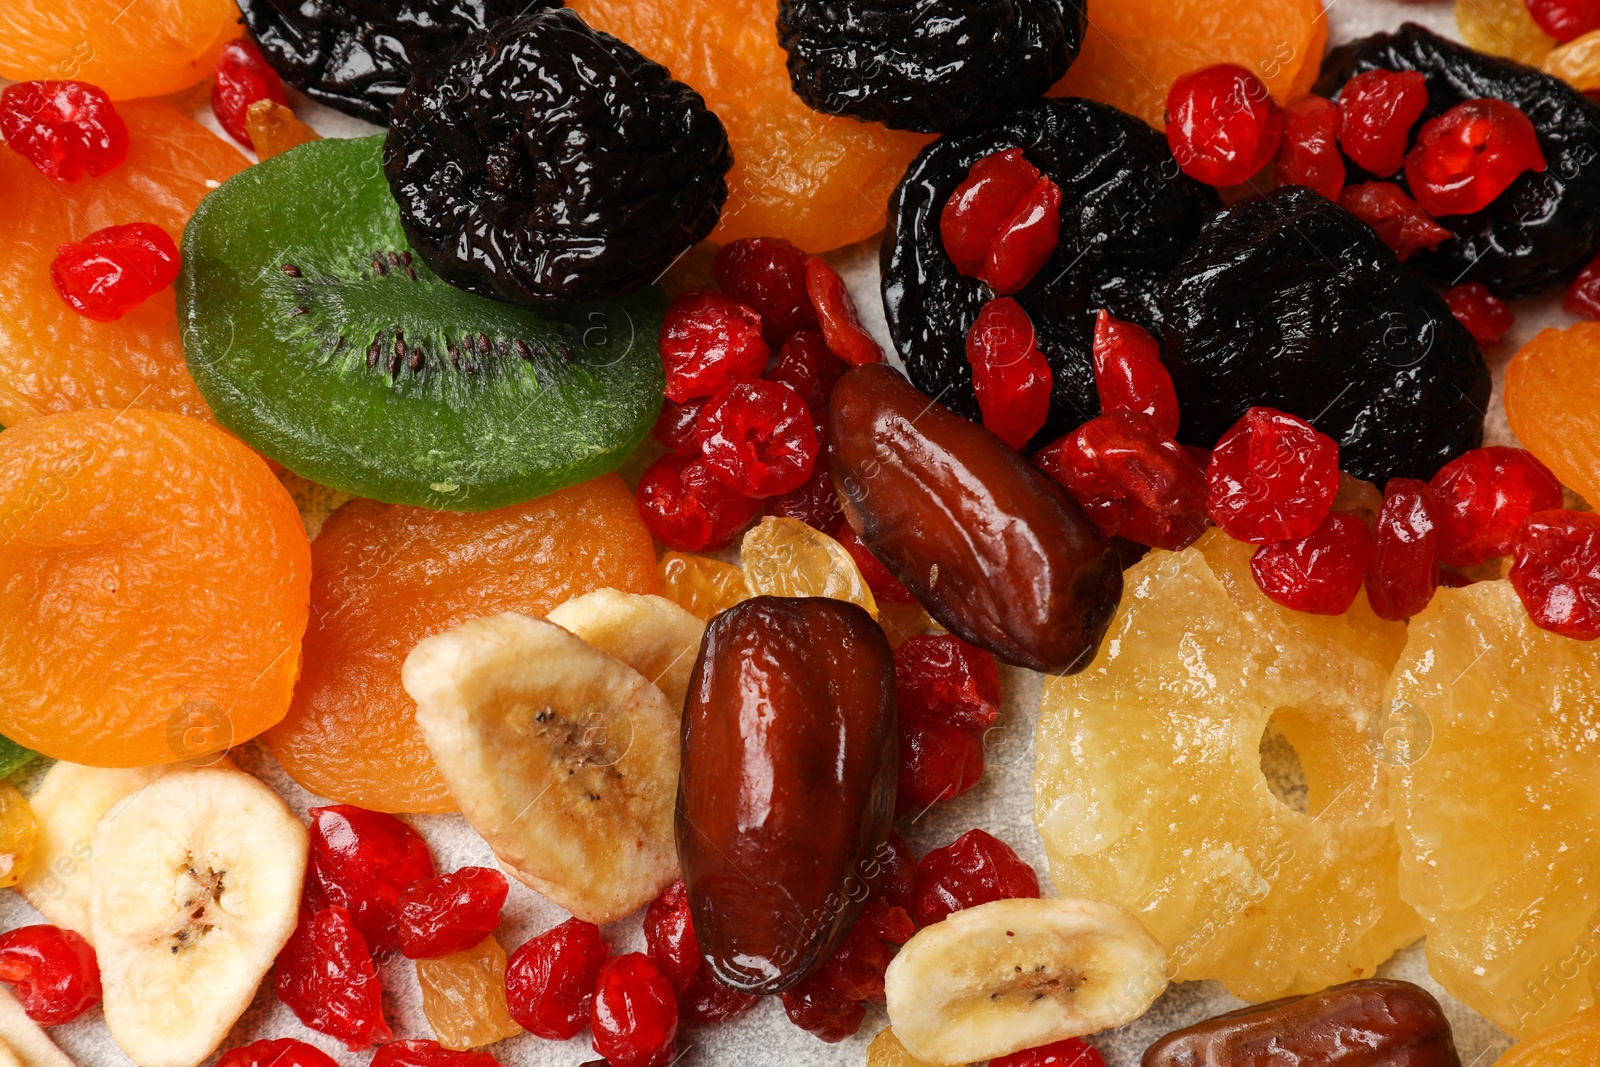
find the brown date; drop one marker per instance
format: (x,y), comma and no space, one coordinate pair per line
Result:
(994,549)
(1373,1023)
(786,793)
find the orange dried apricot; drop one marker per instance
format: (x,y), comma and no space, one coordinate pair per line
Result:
(1135,50)
(51,358)
(1553,404)
(387,576)
(155,593)
(821,181)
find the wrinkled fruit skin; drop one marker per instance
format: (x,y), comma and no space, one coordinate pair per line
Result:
(420,1054)
(1538,234)
(974,869)
(327,978)
(544,162)
(788,784)
(357,55)
(550,980)
(53,972)
(442,916)
(993,548)
(1358,1024)
(1288,302)
(1113,172)
(282,1052)
(927,65)
(361,860)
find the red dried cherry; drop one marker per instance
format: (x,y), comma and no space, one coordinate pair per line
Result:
(884,585)
(279,1052)
(1310,152)
(707,1001)
(837,315)
(64,128)
(1377,109)
(1134,482)
(52,971)
(815,503)
(426,1054)
(1129,374)
(1003,221)
(361,860)
(327,978)
(550,980)
(1399,220)
(1484,496)
(1319,574)
(685,506)
(243,78)
(1471,154)
(442,916)
(1486,316)
(669,936)
(1565,19)
(758,438)
(940,677)
(1222,124)
(1405,559)
(808,366)
(114,270)
(1009,373)
(893,874)
(938,762)
(816,1007)
(709,341)
(1582,297)
(1272,477)
(635,1015)
(1072,1052)
(768,274)
(974,869)
(831,1003)
(1556,572)
(675,426)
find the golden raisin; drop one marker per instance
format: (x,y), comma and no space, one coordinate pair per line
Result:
(464,996)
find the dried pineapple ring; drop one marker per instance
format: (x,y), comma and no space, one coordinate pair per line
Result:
(1499,820)
(1150,792)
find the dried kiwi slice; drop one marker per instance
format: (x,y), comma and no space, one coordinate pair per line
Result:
(320,339)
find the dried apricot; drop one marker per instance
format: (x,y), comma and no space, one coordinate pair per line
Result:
(1133,52)
(51,358)
(820,181)
(165,46)
(387,576)
(1553,403)
(157,576)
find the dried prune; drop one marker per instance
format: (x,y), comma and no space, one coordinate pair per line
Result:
(1127,216)
(927,65)
(358,55)
(541,161)
(1538,233)
(1287,301)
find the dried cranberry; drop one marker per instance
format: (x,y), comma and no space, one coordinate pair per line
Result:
(1072,1052)
(66,129)
(1134,482)
(937,762)
(1556,572)
(1129,374)
(1009,373)
(280,1052)
(635,1015)
(1486,316)
(1565,19)
(327,978)
(974,869)
(1319,574)
(831,1003)
(426,1054)
(114,270)
(1003,221)
(815,503)
(1583,295)
(758,438)
(441,916)
(52,971)
(940,677)
(550,980)
(894,875)
(707,1001)
(709,341)
(888,922)
(1405,560)
(688,507)
(1272,477)
(669,936)
(837,315)
(884,585)
(361,860)
(675,427)
(1484,496)
(808,366)
(1222,124)
(1377,109)
(1310,152)
(1397,218)
(1471,154)
(816,1007)
(243,77)
(768,274)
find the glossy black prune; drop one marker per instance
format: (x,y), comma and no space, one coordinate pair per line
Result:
(1286,300)
(1127,216)
(358,55)
(1540,232)
(544,162)
(927,65)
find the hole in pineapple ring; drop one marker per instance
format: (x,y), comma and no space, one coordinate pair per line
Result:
(1314,758)
(1281,766)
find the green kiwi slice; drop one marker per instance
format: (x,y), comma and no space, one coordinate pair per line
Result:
(319,338)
